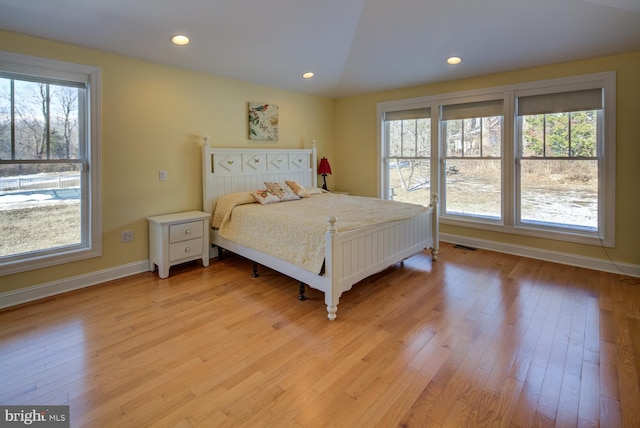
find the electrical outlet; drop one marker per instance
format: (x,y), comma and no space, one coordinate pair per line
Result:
(126,236)
(163,175)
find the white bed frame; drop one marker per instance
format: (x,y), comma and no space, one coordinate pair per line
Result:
(350,256)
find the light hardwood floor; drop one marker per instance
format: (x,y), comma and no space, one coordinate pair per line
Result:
(475,339)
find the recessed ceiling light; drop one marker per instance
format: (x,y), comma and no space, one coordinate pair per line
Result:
(454,60)
(307,75)
(180,40)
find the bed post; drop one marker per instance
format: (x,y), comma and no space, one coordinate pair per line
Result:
(314,164)
(435,223)
(206,170)
(331,295)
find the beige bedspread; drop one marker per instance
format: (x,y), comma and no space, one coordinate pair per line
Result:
(295,230)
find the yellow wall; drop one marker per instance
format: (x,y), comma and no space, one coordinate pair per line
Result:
(356,139)
(154,117)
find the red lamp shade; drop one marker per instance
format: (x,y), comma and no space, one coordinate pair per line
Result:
(324,167)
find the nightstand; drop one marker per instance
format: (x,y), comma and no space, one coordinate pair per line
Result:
(178,238)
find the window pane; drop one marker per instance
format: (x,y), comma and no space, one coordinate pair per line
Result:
(409,137)
(409,180)
(64,123)
(533,135)
(5,118)
(454,138)
(584,128)
(408,164)
(557,135)
(562,192)
(31,120)
(492,136)
(472,137)
(473,187)
(394,131)
(39,207)
(424,137)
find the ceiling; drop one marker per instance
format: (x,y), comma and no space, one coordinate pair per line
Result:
(352,46)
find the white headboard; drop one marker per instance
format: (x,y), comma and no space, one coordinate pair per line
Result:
(228,170)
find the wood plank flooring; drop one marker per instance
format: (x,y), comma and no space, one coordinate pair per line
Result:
(475,339)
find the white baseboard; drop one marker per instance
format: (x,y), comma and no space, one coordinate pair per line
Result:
(604,265)
(29,294)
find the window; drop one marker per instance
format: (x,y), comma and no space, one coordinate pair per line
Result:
(559,139)
(472,135)
(407,166)
(49,163)
(533,159)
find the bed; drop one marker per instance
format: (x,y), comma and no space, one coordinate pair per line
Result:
(349,252)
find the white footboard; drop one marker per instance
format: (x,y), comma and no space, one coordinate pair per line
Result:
(353,256)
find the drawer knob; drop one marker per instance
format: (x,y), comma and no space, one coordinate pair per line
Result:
(187,231)
(187,249)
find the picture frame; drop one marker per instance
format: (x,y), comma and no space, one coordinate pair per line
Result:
(263,122)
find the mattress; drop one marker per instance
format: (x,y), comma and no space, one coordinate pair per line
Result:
(294,231)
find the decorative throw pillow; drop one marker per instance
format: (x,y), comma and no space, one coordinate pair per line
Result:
(298,188)
(265,197)
(315,190)
(281,190)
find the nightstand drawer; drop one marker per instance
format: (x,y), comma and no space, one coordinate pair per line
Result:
(184,231)
(184,249)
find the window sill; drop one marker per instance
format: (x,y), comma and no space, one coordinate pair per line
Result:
(556,234)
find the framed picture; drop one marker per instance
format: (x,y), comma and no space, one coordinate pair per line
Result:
(263,122)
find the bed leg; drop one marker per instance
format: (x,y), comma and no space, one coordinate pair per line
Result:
(434,254)
(220,253)
(255,271)
(331,312)
(301,295)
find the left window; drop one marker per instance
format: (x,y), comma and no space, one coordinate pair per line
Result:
(49,163)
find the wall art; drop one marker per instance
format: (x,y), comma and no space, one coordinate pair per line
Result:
(263,122)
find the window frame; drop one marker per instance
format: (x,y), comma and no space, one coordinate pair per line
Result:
(91,235)
(604,236)
(382,171)
(455,218)
(387,157)
(605,154)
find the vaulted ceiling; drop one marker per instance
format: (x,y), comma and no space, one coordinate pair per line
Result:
(352,46)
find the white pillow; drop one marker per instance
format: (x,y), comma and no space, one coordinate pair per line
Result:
(265,197)
(281,190)
(315,190)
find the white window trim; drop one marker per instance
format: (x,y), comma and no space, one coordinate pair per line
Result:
(605,80)
(24,64)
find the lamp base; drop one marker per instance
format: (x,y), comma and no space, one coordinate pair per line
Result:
(324,182)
